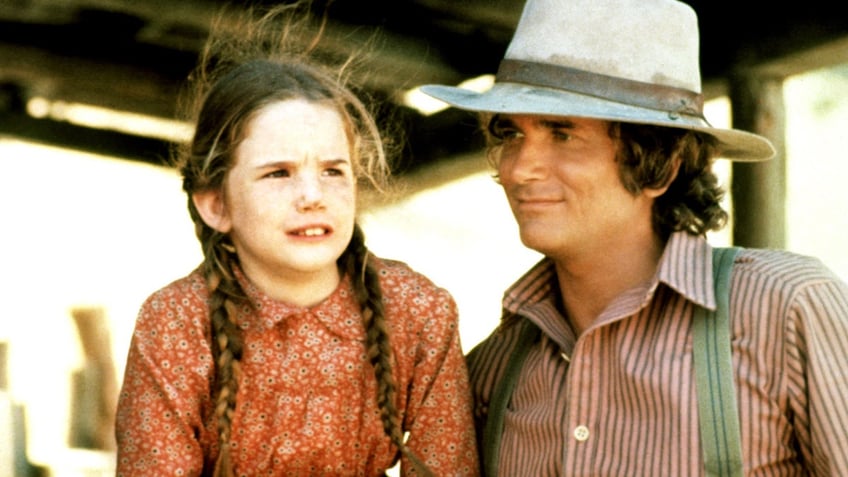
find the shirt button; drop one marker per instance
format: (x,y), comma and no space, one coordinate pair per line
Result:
(581,433)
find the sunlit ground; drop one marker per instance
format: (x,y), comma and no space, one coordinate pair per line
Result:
(85,230)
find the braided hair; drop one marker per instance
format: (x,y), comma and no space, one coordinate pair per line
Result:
(377,343)
(236,77)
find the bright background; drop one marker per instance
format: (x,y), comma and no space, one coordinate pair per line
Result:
(85,230)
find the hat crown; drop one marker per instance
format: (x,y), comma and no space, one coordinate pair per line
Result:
(651,41)
(633,61)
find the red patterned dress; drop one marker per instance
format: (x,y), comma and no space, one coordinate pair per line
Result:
(306,403)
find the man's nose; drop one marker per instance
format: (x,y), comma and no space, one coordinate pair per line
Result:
(526,162)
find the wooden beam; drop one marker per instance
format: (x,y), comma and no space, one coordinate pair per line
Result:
(825,55)
(95,141)
(79,80)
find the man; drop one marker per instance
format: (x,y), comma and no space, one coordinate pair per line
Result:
(599,142)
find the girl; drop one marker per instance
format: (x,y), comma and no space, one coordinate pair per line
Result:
(291,350)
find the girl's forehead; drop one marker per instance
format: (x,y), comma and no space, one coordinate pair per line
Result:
(294,132)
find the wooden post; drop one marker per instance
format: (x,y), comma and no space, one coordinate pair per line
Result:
(758,190)
(94,387)
(4,366)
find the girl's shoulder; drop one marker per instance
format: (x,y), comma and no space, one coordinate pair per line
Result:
(398,273)
(192,283)
(176,313)
(188,291)
(402,286)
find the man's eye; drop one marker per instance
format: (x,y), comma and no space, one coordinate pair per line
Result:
(503,131)
(561,135)
(509,133)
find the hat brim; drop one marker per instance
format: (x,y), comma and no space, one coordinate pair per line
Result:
(514,98)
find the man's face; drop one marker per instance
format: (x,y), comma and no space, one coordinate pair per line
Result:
(563,184)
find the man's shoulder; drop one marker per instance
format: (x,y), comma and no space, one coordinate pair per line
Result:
(784,280)
(500,338)
(488,358)
(783,267)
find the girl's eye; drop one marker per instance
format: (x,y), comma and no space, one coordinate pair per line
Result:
(279,173)
(340,168)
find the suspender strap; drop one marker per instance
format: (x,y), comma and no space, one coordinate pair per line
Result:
(719,420)
(500,397)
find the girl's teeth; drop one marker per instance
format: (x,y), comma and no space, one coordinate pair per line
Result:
(313,232)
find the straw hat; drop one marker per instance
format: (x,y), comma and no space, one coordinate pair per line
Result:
(620,60)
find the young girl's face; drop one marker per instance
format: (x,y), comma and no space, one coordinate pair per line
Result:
(290,199)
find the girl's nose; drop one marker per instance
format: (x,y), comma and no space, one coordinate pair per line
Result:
(310,194)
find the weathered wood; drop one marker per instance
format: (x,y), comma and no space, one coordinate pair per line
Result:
(94,387)
(759,189)
(4,366)
(96,141)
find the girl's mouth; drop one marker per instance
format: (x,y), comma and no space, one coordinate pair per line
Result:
(311,232)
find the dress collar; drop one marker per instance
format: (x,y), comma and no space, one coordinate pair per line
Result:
(339,312)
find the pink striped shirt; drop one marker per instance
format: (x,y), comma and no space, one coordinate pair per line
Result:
(620,400)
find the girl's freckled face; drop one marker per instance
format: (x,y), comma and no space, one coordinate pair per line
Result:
(291,196)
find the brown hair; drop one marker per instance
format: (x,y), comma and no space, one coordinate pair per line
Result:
(239,74)
(646,157)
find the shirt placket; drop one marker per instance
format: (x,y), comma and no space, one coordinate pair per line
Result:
(581,417)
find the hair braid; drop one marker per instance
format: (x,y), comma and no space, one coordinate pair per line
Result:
(226,343)
(377,342)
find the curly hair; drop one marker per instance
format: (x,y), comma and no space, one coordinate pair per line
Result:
(647,156)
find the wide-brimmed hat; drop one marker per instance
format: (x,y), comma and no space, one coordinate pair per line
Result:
(633,61)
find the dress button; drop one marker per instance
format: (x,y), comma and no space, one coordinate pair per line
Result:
(581,433)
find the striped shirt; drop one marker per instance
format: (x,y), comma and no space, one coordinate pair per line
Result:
(619,400)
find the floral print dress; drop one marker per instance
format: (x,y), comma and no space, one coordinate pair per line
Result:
(306,403)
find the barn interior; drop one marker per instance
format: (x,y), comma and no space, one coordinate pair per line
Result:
(88,112)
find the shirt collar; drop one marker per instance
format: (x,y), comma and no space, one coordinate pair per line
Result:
(533,287)
(685,266)
(535,296)
(339,312)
